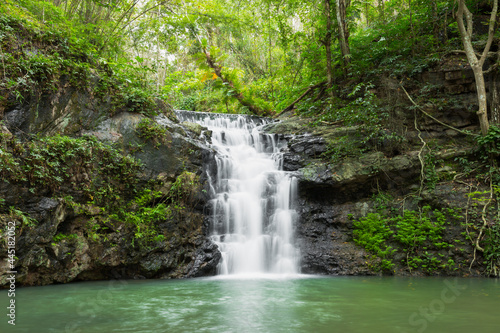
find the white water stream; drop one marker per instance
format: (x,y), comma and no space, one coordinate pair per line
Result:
(252,205)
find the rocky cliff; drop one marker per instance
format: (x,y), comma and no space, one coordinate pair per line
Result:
(100,196)
(358,201)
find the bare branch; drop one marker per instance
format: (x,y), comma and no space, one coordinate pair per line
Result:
(311,88)
(491,32)
(489,55)
(491,69)
(433,118)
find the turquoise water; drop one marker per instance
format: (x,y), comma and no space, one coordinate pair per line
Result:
(305,304)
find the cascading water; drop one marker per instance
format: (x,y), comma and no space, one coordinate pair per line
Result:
(253,216)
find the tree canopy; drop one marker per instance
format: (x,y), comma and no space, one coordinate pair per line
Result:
(257,56)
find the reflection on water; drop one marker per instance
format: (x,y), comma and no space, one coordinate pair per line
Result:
(300,304)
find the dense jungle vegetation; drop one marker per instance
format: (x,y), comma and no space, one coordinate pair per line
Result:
(329,61)
(229,56)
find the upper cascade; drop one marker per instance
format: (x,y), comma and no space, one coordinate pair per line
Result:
(252,197)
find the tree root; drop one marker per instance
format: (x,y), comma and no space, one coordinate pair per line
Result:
(420,158)
(433,118)
(485,224)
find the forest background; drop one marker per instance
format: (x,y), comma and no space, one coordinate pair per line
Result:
(247,57)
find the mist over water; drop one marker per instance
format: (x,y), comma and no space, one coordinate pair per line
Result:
(252,206)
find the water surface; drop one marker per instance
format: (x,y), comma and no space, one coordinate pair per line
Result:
(271,304)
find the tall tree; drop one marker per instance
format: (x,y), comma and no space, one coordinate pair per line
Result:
(475,63)
(495,91)
(342,6)
(328,42)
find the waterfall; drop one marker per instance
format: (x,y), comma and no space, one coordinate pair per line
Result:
(252,197)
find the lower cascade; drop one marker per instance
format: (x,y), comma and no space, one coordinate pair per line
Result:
(252,207)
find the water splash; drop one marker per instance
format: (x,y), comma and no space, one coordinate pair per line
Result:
(252,207)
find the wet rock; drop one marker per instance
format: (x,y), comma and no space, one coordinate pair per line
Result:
(323,235)
(193,127)
(206,259)
(333,194)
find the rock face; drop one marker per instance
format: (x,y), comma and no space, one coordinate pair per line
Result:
(333,194)
(59,241)
(325,240)
(44,259)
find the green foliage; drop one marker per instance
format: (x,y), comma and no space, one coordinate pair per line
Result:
(343,147)
(484,165)
(144,213)
(416,234)
(26,220)
(489,150)
(372,233)
(362,110)
(415,228)
(149,129)
(84,164)
(135,148)
(431,176)
(54,50)
(491,141)
(34,68)
(184,190)
(492,249)
(484,219)
(60,237)
(150,208)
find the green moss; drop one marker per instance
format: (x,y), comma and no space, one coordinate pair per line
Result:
(373,233)
(60,237)
(148,129)
(85,164)
(150,208)
(40,56)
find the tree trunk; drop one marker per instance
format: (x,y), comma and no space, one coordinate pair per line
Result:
(367,8)
(475,63)
(411,29)
(158,52)
(481,97)
(495,92)
(270,48)
(435,23)
(328,44)
(445,28)
(344,33)
(495,98)
(309,90)
(237,94)
(381,10)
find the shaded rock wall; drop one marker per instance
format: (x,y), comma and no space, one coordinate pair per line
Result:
(59,245)
(335,193)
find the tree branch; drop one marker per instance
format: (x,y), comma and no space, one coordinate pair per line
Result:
(289,107)
(433,118)
(490,54)
(491,69)
(491,32)
(237,94)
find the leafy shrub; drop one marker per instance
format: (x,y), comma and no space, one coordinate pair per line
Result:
(149,129)
(412,232)
(372,233)
(84,163)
